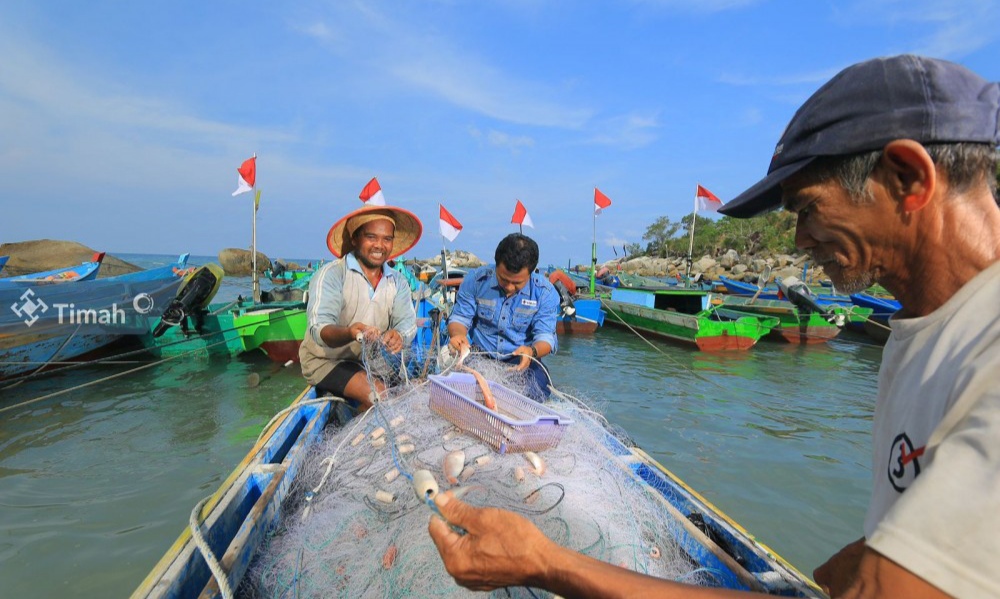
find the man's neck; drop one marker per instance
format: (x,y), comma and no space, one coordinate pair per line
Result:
(958,245)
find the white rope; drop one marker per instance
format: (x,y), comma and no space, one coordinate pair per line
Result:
(206,551)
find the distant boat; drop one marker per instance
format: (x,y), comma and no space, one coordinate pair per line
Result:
(57,323)
(587,318)
(579,314)
(284,276)
(630,280)
(688,316)
(882,308)
(193,326)
(3,261)
(796,325)
(82,272)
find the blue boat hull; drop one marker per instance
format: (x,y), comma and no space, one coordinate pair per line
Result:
(248,505)
(58,323)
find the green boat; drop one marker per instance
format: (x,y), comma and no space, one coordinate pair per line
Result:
(687,315)
(796,326)
(192,326)
(277,329)
(207,333)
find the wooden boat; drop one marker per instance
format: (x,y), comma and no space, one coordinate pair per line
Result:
(636,281)
(587,318)
(581,314)
(247,506)
(740,288)
(287,277)
(796,326)
(688,316)
(57,323)
(206,333)
(856,318)
(881,309)
(277,329)
(82,272)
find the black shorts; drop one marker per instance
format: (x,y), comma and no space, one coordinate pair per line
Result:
(335,382)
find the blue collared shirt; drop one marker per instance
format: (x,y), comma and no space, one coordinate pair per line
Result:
(500,324)
(326,299)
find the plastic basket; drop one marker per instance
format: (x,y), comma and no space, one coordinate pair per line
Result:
(518,424)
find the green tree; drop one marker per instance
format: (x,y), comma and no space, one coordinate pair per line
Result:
(659,235)
(705,235)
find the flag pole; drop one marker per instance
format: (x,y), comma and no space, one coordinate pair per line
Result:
(444,263)
(253,241)
(694,218)
(593,257)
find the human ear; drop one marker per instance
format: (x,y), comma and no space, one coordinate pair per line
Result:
(912,175)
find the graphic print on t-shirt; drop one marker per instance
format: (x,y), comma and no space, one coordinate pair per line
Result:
(904,463)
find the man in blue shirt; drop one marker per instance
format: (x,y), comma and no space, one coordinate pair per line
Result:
(509,311)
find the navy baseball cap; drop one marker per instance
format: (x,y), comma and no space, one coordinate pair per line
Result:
(869,104)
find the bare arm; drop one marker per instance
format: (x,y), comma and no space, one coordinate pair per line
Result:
(879,577)
(838,573)
(504,549)
(338,336)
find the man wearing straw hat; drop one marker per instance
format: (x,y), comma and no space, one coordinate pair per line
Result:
(358,295)
(890,168)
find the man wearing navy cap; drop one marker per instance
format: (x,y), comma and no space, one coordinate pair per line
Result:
(890,168)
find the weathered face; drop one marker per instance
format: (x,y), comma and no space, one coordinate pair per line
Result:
(843,236)
(512,282)
(373,243)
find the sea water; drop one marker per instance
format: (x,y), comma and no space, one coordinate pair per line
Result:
(97,483)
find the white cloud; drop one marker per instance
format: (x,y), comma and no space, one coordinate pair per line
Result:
(628,131)
(433,64)
(511,142)
(318,30)
(953,28)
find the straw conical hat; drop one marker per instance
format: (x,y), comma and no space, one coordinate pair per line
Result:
(407,233)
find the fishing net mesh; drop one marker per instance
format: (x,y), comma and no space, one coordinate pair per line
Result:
(354,526)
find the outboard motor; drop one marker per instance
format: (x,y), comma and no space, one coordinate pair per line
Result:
(565,299)
(195,293)
(802,297)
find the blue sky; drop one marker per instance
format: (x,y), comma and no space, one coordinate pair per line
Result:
(122,123)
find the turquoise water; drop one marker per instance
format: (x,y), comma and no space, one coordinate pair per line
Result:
(96,484)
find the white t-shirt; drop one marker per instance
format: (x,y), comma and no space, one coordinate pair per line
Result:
(937,437)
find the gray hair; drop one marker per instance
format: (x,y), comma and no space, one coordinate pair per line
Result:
(966,165)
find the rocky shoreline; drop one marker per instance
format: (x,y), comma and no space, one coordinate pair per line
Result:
(27,257)
(729,264)
(47,254)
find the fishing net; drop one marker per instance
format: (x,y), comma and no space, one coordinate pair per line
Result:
(354,527)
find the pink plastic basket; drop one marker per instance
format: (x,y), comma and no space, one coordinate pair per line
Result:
(518,424)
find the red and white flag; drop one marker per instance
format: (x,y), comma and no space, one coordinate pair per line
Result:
(247,176)
(372,194)
(706,200)
(601,201)
(521,216)
(450,227)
